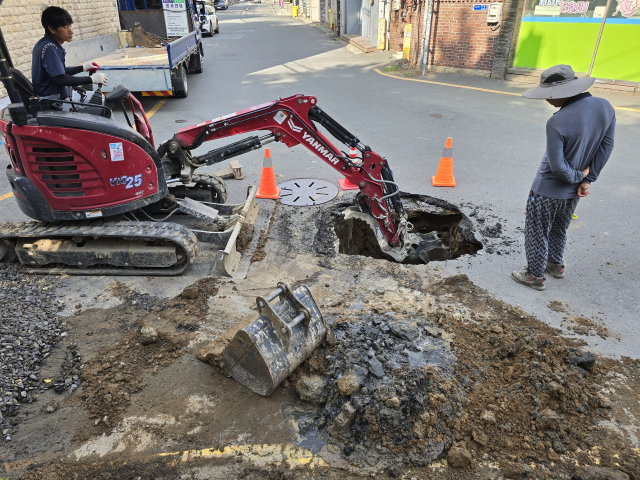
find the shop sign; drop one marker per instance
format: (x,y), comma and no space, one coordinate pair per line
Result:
(175,5)
(566,7)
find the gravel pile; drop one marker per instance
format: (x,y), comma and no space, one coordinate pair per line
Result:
(69,379)
(387,388)
(29,330)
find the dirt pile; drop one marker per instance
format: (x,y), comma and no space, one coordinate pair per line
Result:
(473,375)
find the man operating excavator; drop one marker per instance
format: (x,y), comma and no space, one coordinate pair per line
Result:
(50,75)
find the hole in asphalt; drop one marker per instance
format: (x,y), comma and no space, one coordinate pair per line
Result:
(427,214)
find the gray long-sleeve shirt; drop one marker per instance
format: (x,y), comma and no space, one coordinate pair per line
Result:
(580,134)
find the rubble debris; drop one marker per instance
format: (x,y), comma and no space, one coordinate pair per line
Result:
(599,473)
(311,389)
(513,469)
(547,420)
(148,335)
(584,360)
(458,457)
(50,407)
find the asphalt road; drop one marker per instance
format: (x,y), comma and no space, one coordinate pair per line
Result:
(498,141)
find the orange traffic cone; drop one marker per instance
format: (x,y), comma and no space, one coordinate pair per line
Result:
(444,175)
(344,183)
(268,188)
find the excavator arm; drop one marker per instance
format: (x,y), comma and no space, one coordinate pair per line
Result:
(292,121)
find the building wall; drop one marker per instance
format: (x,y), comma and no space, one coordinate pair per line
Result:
(21,27)
(460,36)
(410,12)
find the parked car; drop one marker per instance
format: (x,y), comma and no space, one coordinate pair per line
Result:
(220,4)
(208,18)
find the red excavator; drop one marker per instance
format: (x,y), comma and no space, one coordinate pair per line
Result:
(104,195)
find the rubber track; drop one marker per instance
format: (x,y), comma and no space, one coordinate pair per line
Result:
(213,181)
(149,231)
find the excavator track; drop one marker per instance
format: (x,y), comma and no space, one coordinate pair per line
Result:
(174,235)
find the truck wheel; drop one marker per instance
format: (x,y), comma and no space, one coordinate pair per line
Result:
(195,63)
(179,82)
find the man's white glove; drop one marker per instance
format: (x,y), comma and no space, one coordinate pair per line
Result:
(99,78)
(90,66)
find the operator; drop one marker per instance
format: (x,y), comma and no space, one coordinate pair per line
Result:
(50,75)
(579,143)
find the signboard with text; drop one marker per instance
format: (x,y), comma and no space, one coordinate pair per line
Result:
(176,23)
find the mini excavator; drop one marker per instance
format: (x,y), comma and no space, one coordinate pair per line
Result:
(103,195)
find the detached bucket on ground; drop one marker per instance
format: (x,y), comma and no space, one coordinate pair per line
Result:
(270,348)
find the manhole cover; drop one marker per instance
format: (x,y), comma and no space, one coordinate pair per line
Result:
(307,191)
(181,121)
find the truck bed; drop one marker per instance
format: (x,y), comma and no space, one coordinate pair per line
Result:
(130,57)
(147,70)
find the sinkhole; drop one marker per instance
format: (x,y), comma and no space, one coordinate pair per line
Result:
(427,215)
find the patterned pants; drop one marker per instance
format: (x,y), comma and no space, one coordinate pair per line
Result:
(545,230)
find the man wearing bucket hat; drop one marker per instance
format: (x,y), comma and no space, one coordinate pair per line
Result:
(579,143)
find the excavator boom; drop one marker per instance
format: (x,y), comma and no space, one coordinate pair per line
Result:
(292,121)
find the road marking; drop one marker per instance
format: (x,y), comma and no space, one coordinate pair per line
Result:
(6,195)
(156,107)
(476,88)
(259,454)
(628,109)
(447,84)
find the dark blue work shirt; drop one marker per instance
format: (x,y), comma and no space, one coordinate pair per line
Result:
(47,61)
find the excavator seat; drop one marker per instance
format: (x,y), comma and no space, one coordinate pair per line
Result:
(24,87)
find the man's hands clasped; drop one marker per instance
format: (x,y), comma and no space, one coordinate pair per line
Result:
(583,188)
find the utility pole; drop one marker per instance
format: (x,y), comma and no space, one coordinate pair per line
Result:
(426,33)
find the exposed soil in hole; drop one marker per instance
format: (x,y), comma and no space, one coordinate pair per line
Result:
(426,214)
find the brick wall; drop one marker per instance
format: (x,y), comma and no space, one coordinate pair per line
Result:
(460,37)
(21,27)
(411,11)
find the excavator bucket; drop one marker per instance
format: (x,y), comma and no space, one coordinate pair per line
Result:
(270,348)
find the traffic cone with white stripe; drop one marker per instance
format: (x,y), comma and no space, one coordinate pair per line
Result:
(444,175)
(268,188)
(343,182)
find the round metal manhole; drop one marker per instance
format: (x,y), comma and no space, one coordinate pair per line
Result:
(307,191)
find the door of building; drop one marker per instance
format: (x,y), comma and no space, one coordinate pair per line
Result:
(365,17)
(352,22)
